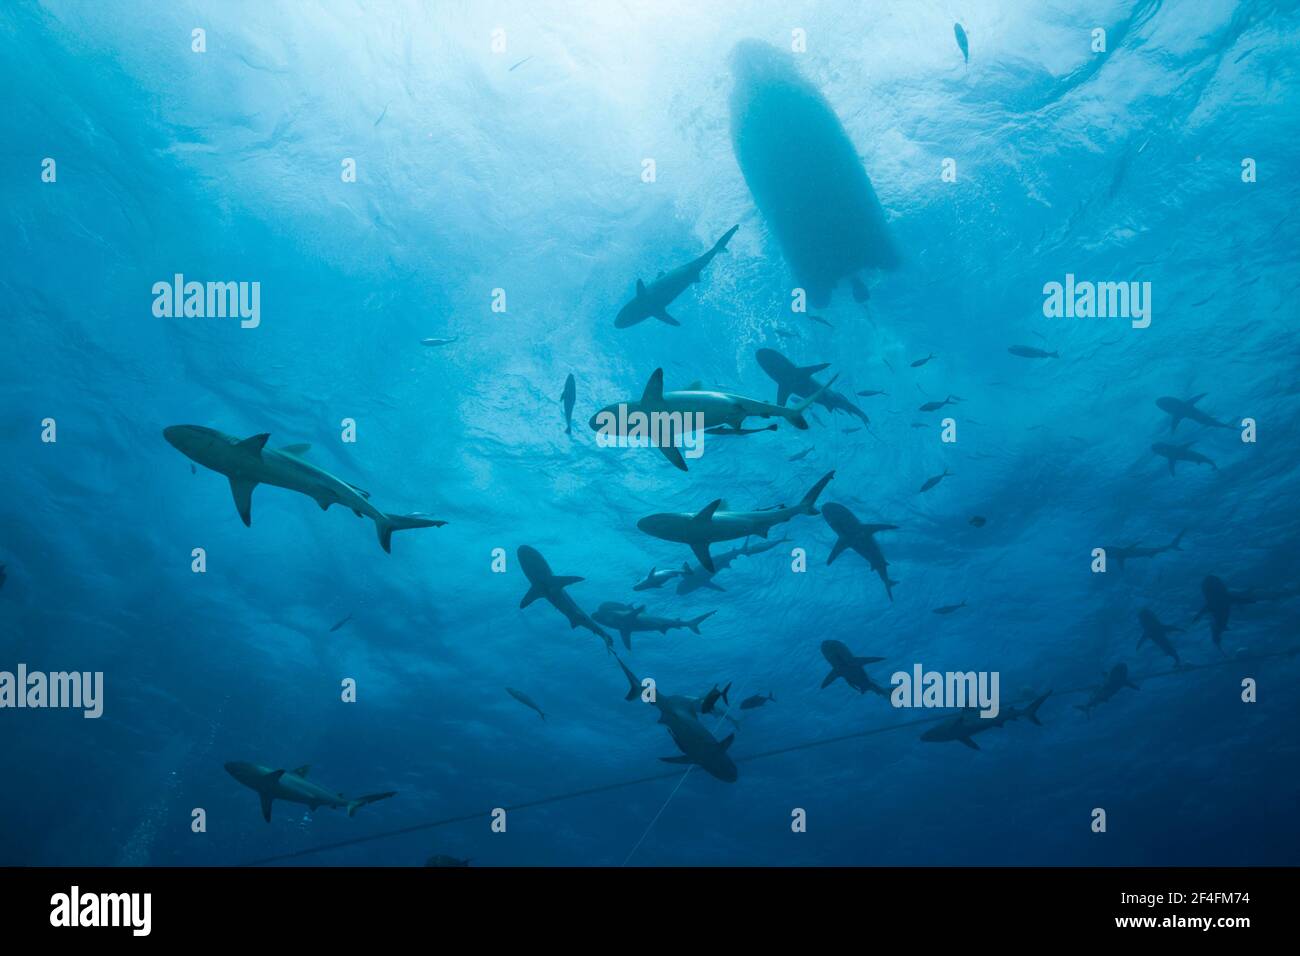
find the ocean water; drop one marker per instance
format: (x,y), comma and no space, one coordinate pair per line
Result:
(502,146)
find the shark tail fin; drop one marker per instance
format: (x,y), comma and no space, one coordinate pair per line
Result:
(359,802)
(391,523)
(695,622)
(721,244)
(809,502)
(1031,712)
(796,413)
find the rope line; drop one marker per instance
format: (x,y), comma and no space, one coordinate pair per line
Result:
(762,755)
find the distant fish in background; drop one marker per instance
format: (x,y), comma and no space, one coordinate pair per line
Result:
(818,319)
(1120,554)
(919,362)
(526,701)
(758,700)
(712,697)
(2,575)
(1178,410)
(545,584)
(963,44)
(949,608)
(801,455)
(978,521)
(1029,351)
(850,431)
(920,425)
(653,300)
(437,343)
(1111,684)
(804,173)
(439,859)
(519,64)
(787,334)
(567,397)
(935,406)
(1157,633)
(931,482)
(1177,453)
(340,624)
(193,470)
(868,393)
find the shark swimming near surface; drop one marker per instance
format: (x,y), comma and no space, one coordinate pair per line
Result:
(851,669)
(248,463)
(1179,409)
(292,786)
(968,723)
(545,584)
(653,300)
(798,381)
(630,619)
(853,534)
(713,523)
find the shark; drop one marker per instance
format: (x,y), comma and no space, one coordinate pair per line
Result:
(1157,633)
(968,723)
(653,300)
(852,669)
(713,523)
(292,786)
(1119,554)
(247,463)
(695,578)
(657,579)
(797,380)
(1112,683)
(1179,409)
(852,533)
(718,412)
(1183,452)
(543,583)
(681,716)
(628,620)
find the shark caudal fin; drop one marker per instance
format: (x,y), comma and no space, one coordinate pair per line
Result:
(391,523)
(633,685)
(1031,712)
(809,502)
(359,802)
(695,622)
(796,413)
(721,244)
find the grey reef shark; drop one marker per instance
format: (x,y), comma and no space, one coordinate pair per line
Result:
(652,300)
(714,523)
(544,584)
(292,786)
(630,619)
(247,462)
(681,716)
(968,723)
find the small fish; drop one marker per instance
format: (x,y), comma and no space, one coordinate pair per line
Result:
(787,334)
(979,521)
(949,608)
(850,431)
(920,425)
(800,456)
(193,470)
(525,700)
(567,397)
(435,343)
(935,406)
(758,700)
(962,43)
(340,624)
(1028,351)
(919,362)
(818,318)
(383,114)
(2,575)
(519,64)
(711,699)
(931,482)
(870,392)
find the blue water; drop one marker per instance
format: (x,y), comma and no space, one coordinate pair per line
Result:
(472,176)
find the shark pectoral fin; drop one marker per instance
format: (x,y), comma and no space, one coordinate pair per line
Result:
(829,679)
(640,289)
(663,316)
(701,550)
(564,582)
(534,593)
(674,455)
(242,489)
(627,638)
(682,759)
(728,741)
(782,394)
(266,805)
(841,545)
(867,660)
(969,743)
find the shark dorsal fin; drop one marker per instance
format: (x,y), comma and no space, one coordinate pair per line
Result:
(730,737)
(255,443)
(303,770)
(705,516)
(361,491)
(640,288)
(296,449)
(654,389)
(636,611)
